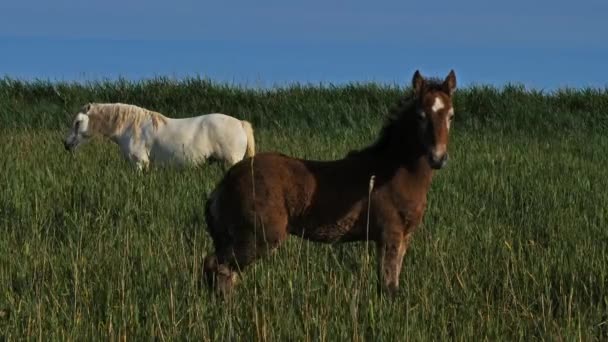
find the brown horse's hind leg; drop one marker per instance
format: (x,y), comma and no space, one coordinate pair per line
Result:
(260,240)
(390,259)
(222,269)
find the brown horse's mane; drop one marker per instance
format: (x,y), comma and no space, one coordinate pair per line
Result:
(397,119)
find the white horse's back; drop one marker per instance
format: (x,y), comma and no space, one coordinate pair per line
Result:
(193,140)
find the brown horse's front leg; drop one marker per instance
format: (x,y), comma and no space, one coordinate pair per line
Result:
(390,258)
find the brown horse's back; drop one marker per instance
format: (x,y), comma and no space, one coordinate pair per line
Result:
(269,183)
(273,195)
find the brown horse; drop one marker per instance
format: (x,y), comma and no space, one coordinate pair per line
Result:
(261,200)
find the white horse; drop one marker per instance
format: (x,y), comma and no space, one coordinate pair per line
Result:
(145,136)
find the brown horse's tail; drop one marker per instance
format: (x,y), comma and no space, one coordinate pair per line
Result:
(250,152)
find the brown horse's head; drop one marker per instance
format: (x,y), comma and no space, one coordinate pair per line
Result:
(434,113)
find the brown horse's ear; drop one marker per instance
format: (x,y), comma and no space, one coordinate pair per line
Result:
(450,83)
(418,83)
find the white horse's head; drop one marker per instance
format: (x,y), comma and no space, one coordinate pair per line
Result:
(79,133)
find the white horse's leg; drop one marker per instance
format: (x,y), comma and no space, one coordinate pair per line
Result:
(142,166)
(140,160)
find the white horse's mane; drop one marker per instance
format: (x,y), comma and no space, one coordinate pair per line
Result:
(113,118)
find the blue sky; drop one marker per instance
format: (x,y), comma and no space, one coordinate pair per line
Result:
(541,44)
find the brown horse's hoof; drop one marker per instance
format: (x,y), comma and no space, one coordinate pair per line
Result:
(225,281)
(218,277)
(390,291)
(210,266)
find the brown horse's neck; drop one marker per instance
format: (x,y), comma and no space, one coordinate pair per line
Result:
(386,168)
(397,149)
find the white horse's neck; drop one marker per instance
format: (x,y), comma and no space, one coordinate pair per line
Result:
(130,131)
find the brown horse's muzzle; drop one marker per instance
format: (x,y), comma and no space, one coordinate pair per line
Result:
(438,162)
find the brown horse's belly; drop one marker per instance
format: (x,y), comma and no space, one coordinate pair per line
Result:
(329,232)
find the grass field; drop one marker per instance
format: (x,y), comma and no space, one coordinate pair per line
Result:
(513,245)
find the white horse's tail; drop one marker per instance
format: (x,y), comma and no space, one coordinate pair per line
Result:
(250,152)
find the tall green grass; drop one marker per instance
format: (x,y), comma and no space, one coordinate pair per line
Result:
(513,245)
(50,105)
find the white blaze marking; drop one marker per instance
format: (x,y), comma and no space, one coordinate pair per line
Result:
(438,105)
(447,118)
